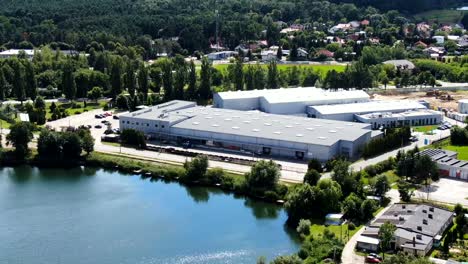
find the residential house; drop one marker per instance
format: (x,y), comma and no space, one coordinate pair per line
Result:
(325,53)
(424,30)
(420,45)
(222,55)
(302,53)
(365,23)
(419,227)
(439,39)
(269,55)
(342,27)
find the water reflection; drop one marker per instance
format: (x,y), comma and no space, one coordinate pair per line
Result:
(198,194)
(262,210)
(21,174)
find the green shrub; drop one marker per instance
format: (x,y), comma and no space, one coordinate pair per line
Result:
(303,228)
(351,226)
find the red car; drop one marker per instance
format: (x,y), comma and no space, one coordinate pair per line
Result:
(371,259)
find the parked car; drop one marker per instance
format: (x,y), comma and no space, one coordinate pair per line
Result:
(104,122)
(98,116)
(115,117)
(413,139)
(371,259)
(377,256)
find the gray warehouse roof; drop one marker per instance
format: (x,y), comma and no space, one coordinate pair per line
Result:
(367,107)
(270,126)
(293,94)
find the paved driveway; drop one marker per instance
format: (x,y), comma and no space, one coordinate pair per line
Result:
(446,190)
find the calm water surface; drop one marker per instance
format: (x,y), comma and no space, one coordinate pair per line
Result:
(96,216)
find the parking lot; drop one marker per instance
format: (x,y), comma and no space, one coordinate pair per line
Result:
(446,190)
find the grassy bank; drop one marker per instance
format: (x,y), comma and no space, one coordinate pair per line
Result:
(322,69)
(461,150)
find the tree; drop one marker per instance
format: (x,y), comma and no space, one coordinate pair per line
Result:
(19,84)
(71,146)
(196,169)
(30,80)
(19,137)
(143,81)
(404,191)
(95,93)
(458,209)
(249,78)
(192,81)
(381,185)
(238,75)
(383,78)
(315,164)
(180,77)
(87,143)
(49,145)
(426,169)
(204,91)
(116,76)
(167,79)
(259,78)
(129,79)
(367,209)
(293,54)
(340,171)
(39,103)
(272,76)
(68,81)
(263,175)
(279,53)
(301,202)
(3,85)
(261,260)
(386,234)
(303,228)
(293,259)
(351,206)
(122,102)
(133,137)
(312,177)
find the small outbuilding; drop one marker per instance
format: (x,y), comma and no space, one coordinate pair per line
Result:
(367,243)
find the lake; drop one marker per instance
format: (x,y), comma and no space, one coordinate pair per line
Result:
(87,215)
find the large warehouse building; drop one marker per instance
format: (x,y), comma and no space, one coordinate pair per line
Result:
(288,101)
(347,112)
(268,134)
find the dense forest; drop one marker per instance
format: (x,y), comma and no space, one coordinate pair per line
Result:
(74,24)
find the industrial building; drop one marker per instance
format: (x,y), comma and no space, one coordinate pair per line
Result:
(419,228)
(290,101)
(409,118)
(254,131)
(462,113)
(347,112)
(448,164)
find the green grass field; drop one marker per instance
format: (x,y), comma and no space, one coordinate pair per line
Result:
(424,129)
(322,69)
(442,16)
(461,150)
(77,108)
(318,227)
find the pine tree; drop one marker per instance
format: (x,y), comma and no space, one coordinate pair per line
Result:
(68,81)
(238,75)
(30,80)
(205,79)
(116,77)
(272,78)
(143,81)
(249,78)
(259,78)
(179,80)
(192,81)
(18,80)
(167,80)
(3,85)
(130,79)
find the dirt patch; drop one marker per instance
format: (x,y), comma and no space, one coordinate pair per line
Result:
(434,102)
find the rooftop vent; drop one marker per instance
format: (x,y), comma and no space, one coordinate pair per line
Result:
(403,206)
(267,124)
(419,228)
(195,123)
(288,126)
(418,237)
(277,132)
(247,122)
(318,125)
(215,125)
(310,128)
(401,218)
(424,221)
(256,130)
(322,138)
(227,119)
(332,131)
(430,216)
(431,209)
(235,127)
(208,117)
(425,211)
(299,135)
